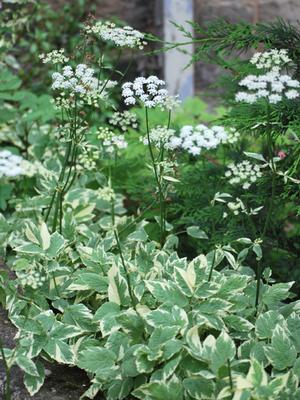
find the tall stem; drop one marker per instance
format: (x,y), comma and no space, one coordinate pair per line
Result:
(60,187)
(212,266)
(159,187)
(271,203)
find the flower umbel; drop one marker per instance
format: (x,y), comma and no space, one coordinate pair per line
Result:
(243,173)
(120,36)
(148,91)
(271,60)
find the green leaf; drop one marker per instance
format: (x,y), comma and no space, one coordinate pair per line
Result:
(29,249)
(138,236)
(223,351)
(161,335)
(27,365)
(57,243)
(256,156)
(118,291)
(80,316)
(166,292)
(167,318)
(293,323)
(193,342)
(276,293)
(119,389)
(257,375)
(171,390)
(185,279)
(34,383)
(45,236)
(60,351)
(266,323)
(213,306)
(145,359)
(232,286)
(199,388)
(282,353)
(94,359)
(89,281)
(105,315)
(196,232)
(238,323)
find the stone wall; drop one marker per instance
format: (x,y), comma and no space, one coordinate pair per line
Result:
(146,15)
(236,10)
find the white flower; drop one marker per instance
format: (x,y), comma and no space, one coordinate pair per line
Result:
(272,60)
(124,120)
(54,57)
(243,173)
(110,140)
(194,139)
(160,137)
(80,81)
(149,91)
(121,36)
(292,94)
(271,86)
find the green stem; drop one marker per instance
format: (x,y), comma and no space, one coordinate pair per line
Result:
(258,284)
(59,188)
(125,270)
(212,266)
(271,203)
(161,197)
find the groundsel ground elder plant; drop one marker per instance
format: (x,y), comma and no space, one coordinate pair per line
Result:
(188,331)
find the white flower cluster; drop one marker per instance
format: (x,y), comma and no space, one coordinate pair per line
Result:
(194,139)
(121,36)
(124,120)
(110,140)
(171,103)
(80,81)
(88,159)
(232,135)
(54,57)
(271,86)
(271,60)
(31,278)
(149,91)
(106,193)
(159,137)
(244,173)
(10,164)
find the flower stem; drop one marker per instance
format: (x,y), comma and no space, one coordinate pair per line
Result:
(125,269)
(159,187)
(212,266)
(271,203)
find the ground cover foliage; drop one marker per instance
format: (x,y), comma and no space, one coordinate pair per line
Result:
(146,236)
